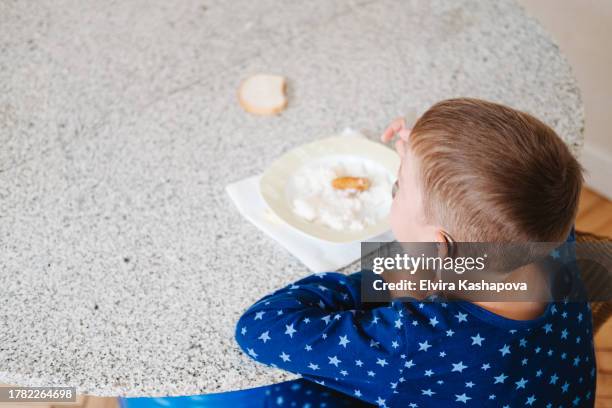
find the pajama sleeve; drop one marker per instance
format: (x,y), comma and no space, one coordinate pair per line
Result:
(318,328)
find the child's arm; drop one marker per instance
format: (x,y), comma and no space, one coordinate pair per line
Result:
(316,327)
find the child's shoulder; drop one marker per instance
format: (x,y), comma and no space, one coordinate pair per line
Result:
(442,314)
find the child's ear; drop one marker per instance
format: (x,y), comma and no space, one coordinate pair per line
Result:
(444,249)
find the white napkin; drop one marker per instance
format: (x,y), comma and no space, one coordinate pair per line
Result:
(316,254)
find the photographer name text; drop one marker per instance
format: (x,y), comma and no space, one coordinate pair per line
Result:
(439,285)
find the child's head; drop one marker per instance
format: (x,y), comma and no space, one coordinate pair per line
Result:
(480,171)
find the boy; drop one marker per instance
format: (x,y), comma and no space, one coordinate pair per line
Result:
(471,171)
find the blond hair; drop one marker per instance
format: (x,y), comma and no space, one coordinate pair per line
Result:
(490,173)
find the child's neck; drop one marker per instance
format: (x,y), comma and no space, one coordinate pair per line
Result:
(515,310)
(527,310)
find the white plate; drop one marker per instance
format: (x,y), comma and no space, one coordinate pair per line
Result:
(275,181)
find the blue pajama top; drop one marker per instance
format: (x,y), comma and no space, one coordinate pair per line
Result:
(418,354)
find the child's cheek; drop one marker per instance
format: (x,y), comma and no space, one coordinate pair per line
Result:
(399,220)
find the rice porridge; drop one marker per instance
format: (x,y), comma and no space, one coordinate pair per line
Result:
(314,199)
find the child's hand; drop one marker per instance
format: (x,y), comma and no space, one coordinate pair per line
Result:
(397,128)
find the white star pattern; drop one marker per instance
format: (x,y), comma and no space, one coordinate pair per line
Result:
(477,340)
(334,360)
(381,362)
(462,398)
(428,392)
(379,355)
(461,317)
(500,378)
(344,341)
(290,330)
(459,367)
(521,383)
(265,336)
